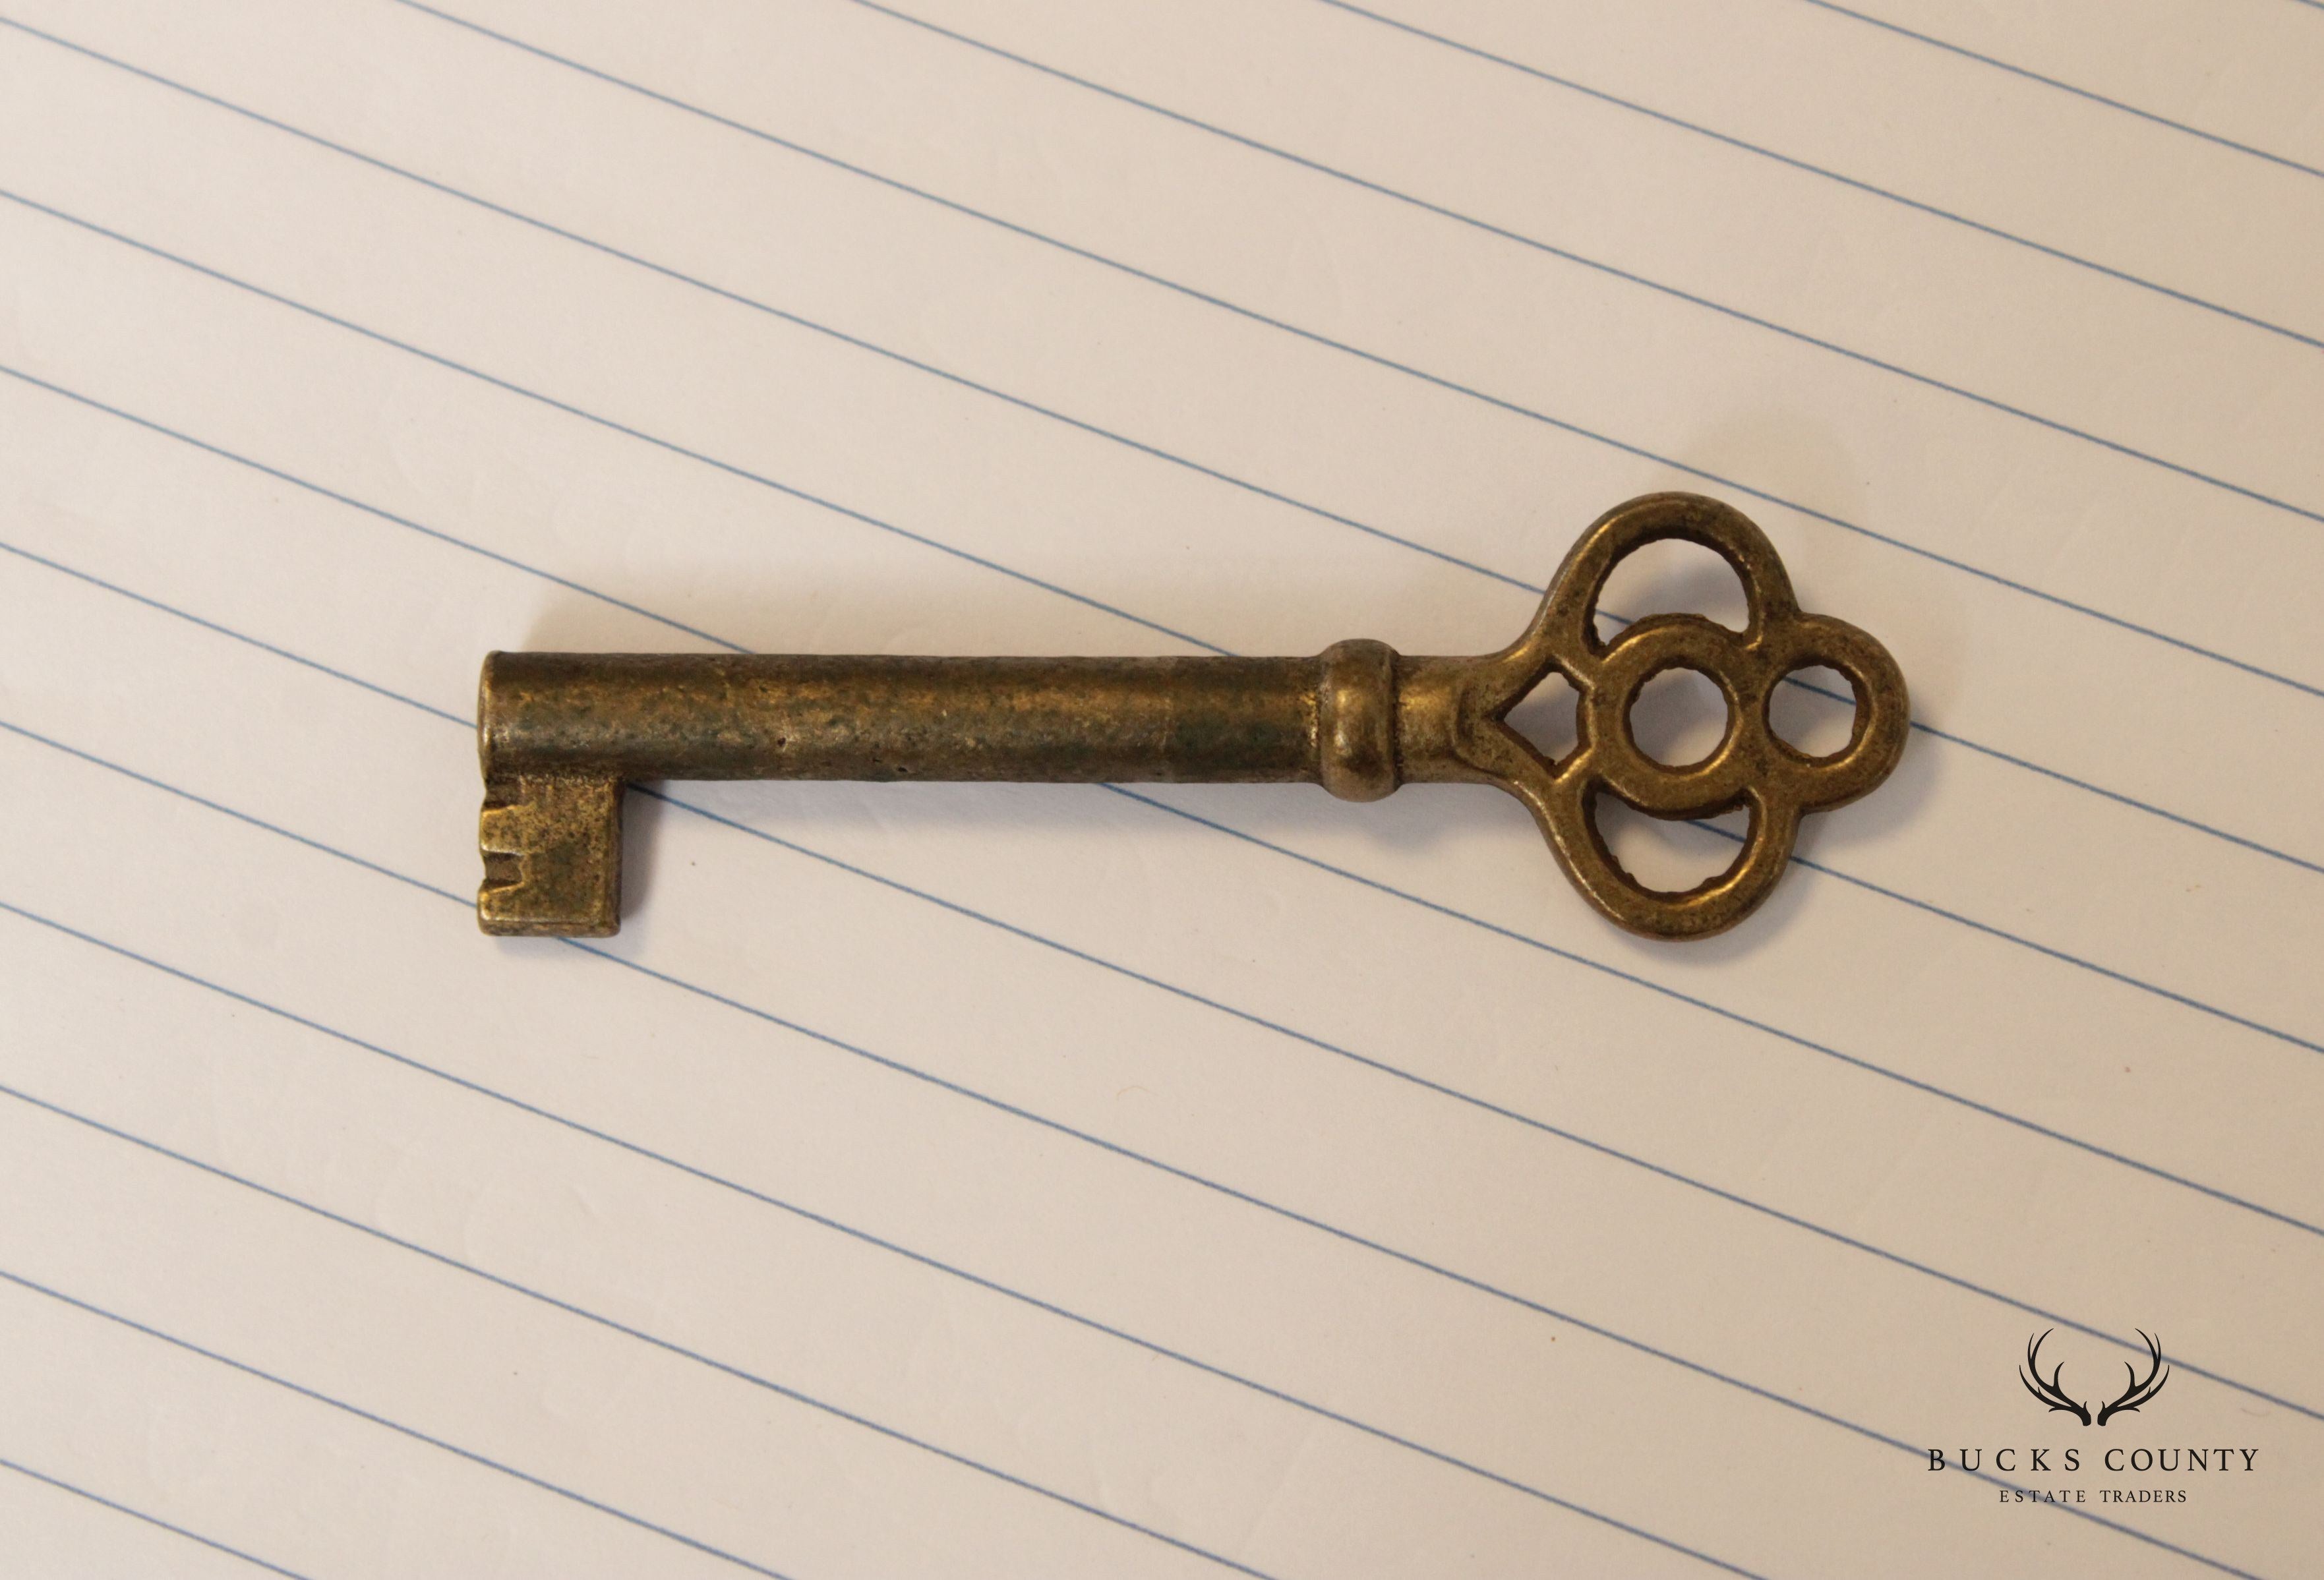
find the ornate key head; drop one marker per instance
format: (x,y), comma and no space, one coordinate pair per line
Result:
(1454,718)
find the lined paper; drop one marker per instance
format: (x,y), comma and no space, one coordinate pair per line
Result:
(1149,1180)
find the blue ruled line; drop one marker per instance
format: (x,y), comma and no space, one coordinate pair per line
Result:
(102,1502)
(999,1105)
(2081,93)
(1769,1395)
(1611,271)
(1808,167)
(606,422)
(21,1282)
(1987,928)
(1404,369)
(1046,412)
(740,1373)
(1932,730)
(1467,1099)
(351,502)
(354,680)
(1737,1017)
(898,1067)
(1380,1066)
(1030,1301)
(865,1236)
(2062,956)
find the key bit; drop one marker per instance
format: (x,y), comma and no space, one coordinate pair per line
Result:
(561,734)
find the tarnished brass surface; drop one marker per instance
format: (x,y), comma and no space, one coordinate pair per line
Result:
(561,733)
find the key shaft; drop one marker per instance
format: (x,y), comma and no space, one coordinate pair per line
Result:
(559,734)
(761,716)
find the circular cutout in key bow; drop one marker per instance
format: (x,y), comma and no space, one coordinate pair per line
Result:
(1750,768)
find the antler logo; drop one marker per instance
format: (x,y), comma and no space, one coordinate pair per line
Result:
(2051,1390)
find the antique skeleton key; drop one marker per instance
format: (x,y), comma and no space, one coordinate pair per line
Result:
(560,734)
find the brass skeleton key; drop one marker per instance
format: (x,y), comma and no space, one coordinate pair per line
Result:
(561,733)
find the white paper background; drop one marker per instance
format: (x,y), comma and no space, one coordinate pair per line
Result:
(1017,1180)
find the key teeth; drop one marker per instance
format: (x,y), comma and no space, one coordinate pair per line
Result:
(552,854)
(503,869)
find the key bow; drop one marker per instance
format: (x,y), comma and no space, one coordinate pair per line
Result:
(1460,730)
